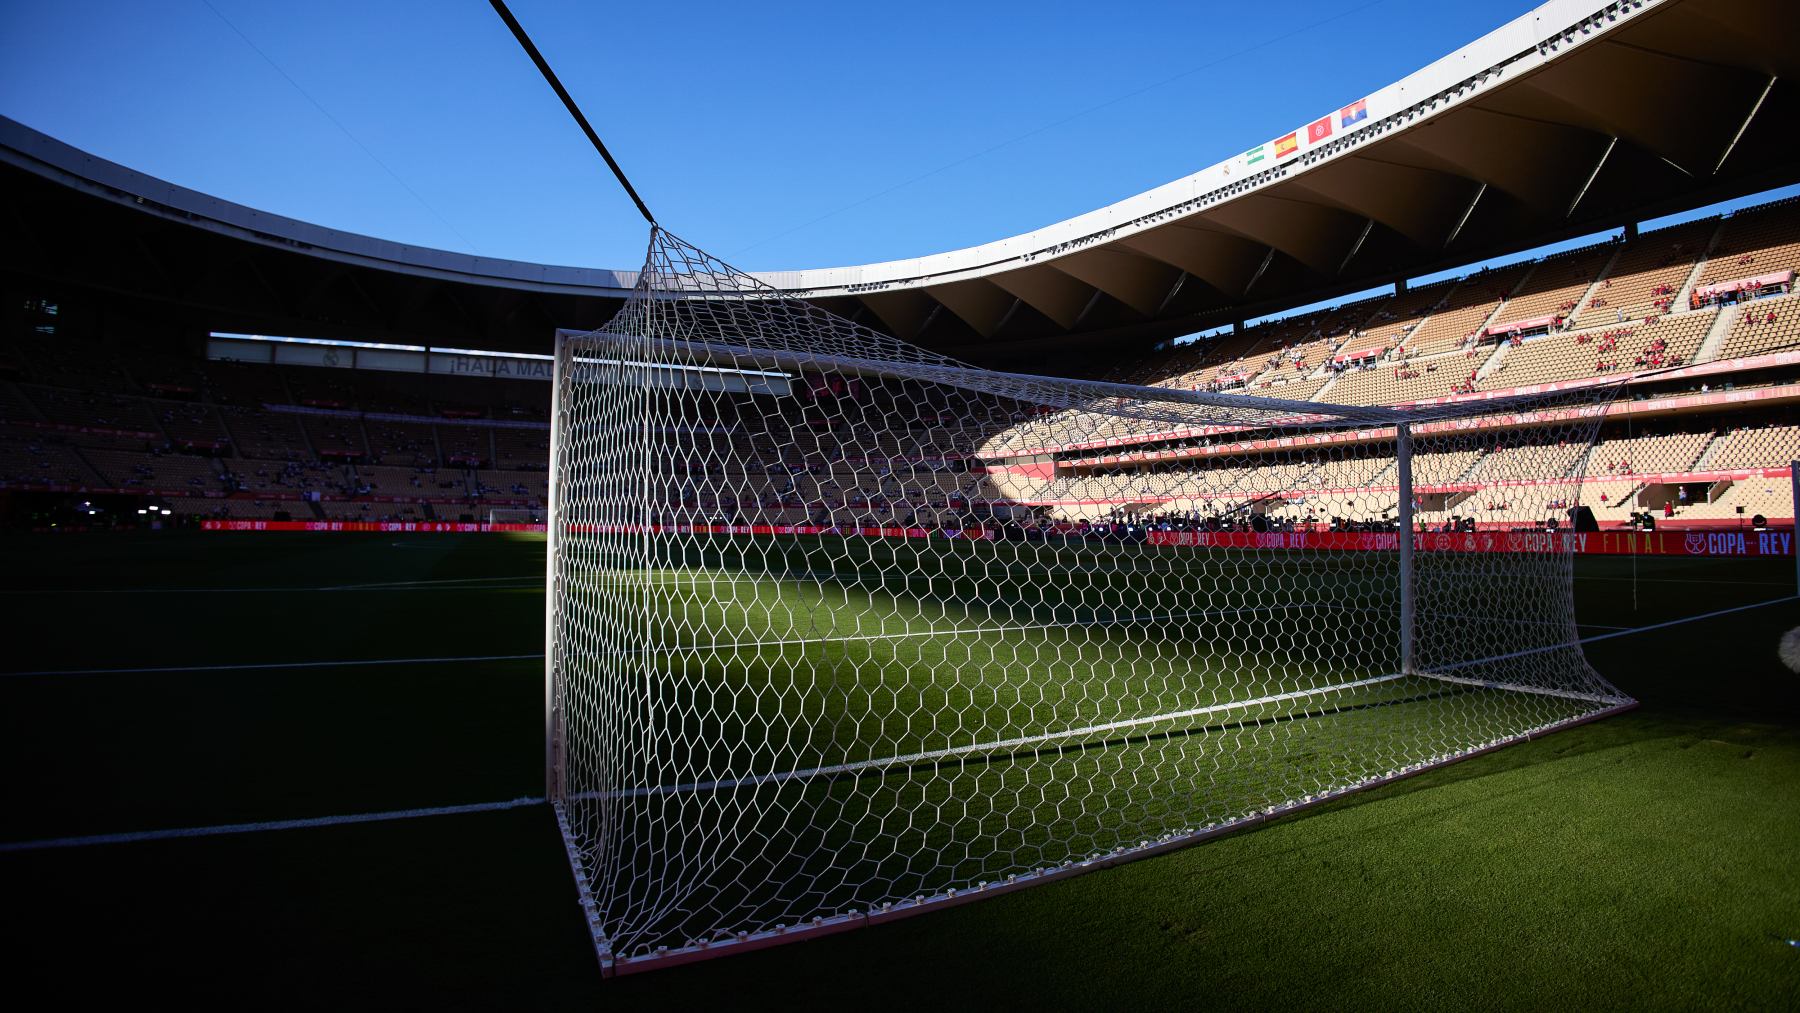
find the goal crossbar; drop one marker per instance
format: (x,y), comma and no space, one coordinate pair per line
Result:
(1077,393)
(1103,659)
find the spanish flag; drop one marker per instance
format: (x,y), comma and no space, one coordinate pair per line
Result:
(1285,146)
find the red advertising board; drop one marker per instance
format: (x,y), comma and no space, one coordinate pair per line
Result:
(411,527)
(1607,543)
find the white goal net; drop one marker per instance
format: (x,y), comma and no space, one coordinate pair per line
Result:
(841,629)
(516,515)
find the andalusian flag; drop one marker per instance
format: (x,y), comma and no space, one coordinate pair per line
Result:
(1255,155)
(1285,146)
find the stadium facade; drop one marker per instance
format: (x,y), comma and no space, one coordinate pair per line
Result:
(1573,119)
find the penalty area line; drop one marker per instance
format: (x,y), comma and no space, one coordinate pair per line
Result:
(258,666)
(175,833)
(452,810)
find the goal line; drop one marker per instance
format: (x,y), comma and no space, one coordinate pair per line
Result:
(1016,742)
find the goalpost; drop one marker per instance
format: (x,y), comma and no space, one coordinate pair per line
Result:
(840,629)
(516,515)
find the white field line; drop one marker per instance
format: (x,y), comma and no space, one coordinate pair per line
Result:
(1686,580)
(673,577)
(670,649)
(956,631)
(906,759)
(960,630)
(1629,631)
(536,578)
(255,828)
(399,814)
(1566,694)
(258,666)
(449,584)
(34,592)
(668,575)
(1157,617)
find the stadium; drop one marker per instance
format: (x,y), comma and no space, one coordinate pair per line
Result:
(1348,575)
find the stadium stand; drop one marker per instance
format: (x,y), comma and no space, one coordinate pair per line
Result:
(223,439)
(263,435)
(401,443)
(1647,455)
(1763,325)
(1555,287)
(1465,308)
(1398,380)
(1756,241)
(521,448)
(34,458)
(1769,445)
(334,437)
(468,446)
(1654,343)
(1648,274)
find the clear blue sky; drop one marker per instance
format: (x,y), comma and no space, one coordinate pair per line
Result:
(776,135)
(909,128)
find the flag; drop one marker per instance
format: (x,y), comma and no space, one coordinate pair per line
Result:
(1285,146)
(1255,155)
(1355,112)
(1316,132)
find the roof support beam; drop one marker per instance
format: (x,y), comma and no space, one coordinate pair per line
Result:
(1268,258)
(1735,138)
(929,317)
(1006,318)
(980,304)
(1089,308)
(1464,220)
(1174,290)
(1362,237)
(1210,257)
(1055,294)
(1592,175)
(904,312)
(1136,280)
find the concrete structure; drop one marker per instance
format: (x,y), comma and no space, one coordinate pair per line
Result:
(1575,117)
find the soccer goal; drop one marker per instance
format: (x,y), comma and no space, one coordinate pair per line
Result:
(516,515)
(841,629)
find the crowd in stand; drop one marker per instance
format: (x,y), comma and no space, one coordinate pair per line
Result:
(827,430)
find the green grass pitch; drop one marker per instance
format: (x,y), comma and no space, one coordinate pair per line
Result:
(1647,860)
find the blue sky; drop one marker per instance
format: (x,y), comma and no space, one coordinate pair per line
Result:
(776,135)
(908,129)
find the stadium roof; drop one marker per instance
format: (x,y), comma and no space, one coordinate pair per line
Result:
(1575,118)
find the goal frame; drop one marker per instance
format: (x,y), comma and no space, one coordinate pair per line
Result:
(555,730)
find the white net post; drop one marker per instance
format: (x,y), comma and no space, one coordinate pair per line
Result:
(1403,467)
(553,712)
(841,629)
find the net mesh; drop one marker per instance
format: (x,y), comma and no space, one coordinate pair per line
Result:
(841,627)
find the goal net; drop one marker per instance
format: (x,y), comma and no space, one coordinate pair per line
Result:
(841,629)
(516,515)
